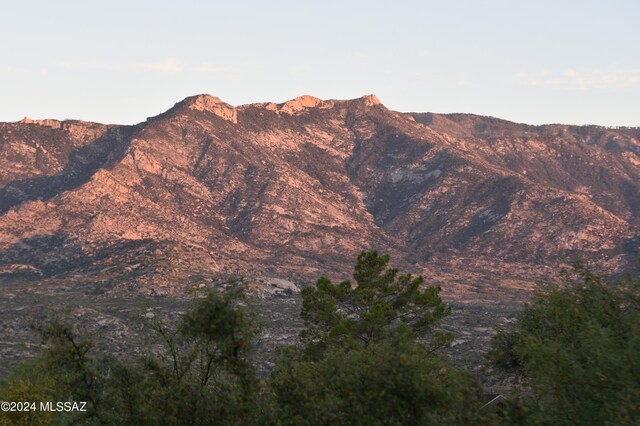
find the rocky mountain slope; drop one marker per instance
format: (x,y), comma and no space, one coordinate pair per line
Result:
(295,190)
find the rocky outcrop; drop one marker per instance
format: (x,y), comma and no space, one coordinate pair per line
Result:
(214,105)
(299,104)
(370,100)
(54,124)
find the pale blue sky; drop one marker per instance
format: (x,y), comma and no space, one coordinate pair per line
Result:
(121,61)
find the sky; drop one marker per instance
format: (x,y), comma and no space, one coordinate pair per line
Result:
(573,62)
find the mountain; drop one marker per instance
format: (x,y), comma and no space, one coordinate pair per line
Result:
(295,190)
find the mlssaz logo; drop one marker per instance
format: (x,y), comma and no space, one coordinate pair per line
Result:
(67,406)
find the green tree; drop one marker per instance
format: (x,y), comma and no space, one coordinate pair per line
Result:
(578,346)
(67,360)
(29,382)
(393,382)
(196,372)
(361,362)
(379,304)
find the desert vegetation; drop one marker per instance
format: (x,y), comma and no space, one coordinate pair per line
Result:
(370,352)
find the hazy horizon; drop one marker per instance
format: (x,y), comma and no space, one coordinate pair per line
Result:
(548,62)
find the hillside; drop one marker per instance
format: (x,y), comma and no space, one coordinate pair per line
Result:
(295,190)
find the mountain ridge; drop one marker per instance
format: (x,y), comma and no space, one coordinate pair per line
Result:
(296,189)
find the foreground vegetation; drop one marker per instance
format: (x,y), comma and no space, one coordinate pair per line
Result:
(577,345)
(369,354)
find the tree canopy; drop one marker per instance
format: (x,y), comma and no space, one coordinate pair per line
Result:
(361,362)
(392,382)
(577,344)
(377,305)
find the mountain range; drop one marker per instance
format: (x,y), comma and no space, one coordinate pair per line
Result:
(295,190)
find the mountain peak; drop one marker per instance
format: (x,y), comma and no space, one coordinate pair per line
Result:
(304,102)
(370,100)
(300,103)
(202,99)
(212,104)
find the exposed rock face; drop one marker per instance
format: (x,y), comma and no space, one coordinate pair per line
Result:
(297,189)
(54,124)
(212,104)
(300,103)
(371,100)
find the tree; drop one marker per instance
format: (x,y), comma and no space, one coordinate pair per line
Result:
(393,382)
(197,372)
(578,346)
(30,382)
(361,362)
(379,304)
